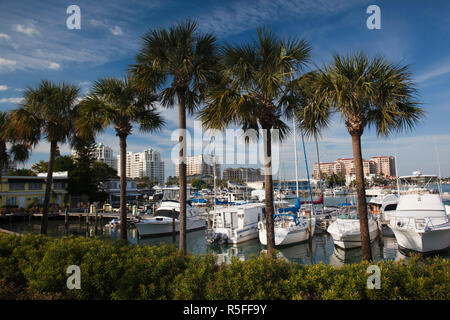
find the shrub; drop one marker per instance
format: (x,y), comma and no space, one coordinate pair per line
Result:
(34,267)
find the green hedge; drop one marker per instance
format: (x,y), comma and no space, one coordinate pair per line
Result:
(34,267)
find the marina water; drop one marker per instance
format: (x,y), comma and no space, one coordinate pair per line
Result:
(320,250)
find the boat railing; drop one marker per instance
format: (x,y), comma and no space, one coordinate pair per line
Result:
(414,223)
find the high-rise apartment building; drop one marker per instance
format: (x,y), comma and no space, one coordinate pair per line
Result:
(144,164)
(379,165)
(201,165)
(242,174)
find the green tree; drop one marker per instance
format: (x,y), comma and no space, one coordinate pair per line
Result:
(18,152)
(48,113)
(22,172)
(40,167)
(251,94)
(367,93)
(172,181)
(145,183)
(188,60)
(118,102)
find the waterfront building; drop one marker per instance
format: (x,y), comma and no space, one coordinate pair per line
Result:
(242,174)
(144,164)
(201,165)
(112,189)
(379,165)
(105,154)
(28,191)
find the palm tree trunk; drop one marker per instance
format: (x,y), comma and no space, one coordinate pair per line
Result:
(182,169)
(362,204)
(318,162)
(269,191)
(48,186)
(123,187)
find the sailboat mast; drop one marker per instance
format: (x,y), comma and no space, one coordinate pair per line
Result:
(309,186)
(295,157)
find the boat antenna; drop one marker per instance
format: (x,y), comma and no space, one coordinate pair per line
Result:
(396,168)
(439,165)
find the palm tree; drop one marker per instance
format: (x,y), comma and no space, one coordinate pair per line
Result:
(48,112)
(18,152)
(251,94)
(188,60)
(118,102)
(367,93)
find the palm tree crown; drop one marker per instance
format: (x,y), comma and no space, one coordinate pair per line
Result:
(120,103)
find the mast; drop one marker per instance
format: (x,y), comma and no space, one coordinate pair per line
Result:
(295,157)
(309,186)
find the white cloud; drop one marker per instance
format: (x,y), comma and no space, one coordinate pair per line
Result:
(54,66)
(3,87)
(7,65)
(116,30)
(4,36)
(11,100)
(26,30)
(436,72)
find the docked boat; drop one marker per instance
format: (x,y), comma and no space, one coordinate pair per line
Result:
(339,191)
(289,229)
(421,222)
(161,223)
(235,224)
(345,230)
(384,206)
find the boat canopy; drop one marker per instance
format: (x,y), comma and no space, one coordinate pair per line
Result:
(291,209)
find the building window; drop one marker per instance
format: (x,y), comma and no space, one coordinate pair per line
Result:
(35,186)
(10,201)
(16,186)
(59,185)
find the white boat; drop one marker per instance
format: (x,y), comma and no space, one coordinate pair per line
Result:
(384,206)
(236,224)
(328,192)
(161,223)
(339,191)
(345,230)
(289,229)
(259,195)
(421,222)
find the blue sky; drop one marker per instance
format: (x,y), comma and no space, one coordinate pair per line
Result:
(35,44)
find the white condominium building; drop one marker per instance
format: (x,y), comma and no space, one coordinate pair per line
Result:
(144,164)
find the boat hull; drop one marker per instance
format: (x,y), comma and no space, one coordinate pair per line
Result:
(423,241)
(239,235)
(284,237)
(351,240)
(156,229)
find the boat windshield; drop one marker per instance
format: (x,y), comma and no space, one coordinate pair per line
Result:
(166,213)
(351,216)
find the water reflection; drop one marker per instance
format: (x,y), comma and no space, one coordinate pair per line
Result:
(321,249)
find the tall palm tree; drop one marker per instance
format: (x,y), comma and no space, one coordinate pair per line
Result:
(18,152)
(250,94)
(48,112)
(179,63)
(367,93)
(118,102)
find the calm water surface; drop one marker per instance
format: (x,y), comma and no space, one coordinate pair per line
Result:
(320,250)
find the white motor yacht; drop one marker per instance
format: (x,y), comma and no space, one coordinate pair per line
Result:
(236,224)
(421,222)
(345,230)
(161,223)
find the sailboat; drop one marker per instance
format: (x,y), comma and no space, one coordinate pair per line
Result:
(289,226)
